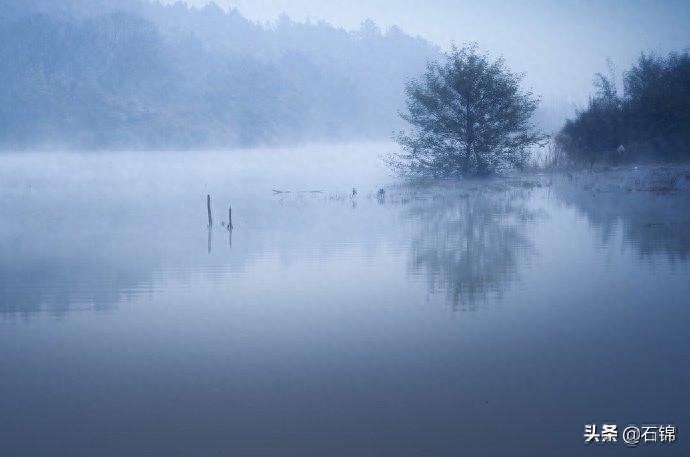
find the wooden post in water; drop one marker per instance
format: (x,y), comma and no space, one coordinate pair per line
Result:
(208,207)
(230,217)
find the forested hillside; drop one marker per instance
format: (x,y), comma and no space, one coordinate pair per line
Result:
(97,74)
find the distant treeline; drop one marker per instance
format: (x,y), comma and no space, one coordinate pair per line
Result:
(649,121)
(133,73)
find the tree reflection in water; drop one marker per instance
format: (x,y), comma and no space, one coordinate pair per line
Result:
(470,244)
(652,222)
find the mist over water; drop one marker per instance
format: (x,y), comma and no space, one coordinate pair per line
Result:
(414,322)
(321,305)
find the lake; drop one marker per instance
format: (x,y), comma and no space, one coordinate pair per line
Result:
(488,318)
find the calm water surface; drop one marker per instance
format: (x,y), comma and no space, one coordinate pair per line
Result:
(485,318)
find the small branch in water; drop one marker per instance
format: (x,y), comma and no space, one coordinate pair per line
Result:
(208,207)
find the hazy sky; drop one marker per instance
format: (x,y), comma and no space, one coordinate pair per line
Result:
(559,44)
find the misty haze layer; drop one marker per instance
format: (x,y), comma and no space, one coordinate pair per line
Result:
(134,74)
(559,44)
(415,323)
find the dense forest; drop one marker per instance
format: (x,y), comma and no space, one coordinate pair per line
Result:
(139,74)
(648,122)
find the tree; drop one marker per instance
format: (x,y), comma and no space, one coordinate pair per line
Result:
(596,131)
(651,120)
(468,117)
(658,105)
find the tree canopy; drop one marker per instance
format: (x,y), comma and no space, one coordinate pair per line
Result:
(650,119)
(468,116)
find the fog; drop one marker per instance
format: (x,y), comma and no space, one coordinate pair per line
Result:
(559,45)
(238,229)
(134,74)
(433,314)
(101,74)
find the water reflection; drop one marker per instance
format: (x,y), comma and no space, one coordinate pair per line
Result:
(654,224)
(89,230)
(311,328)
(470,244)
(37,283)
